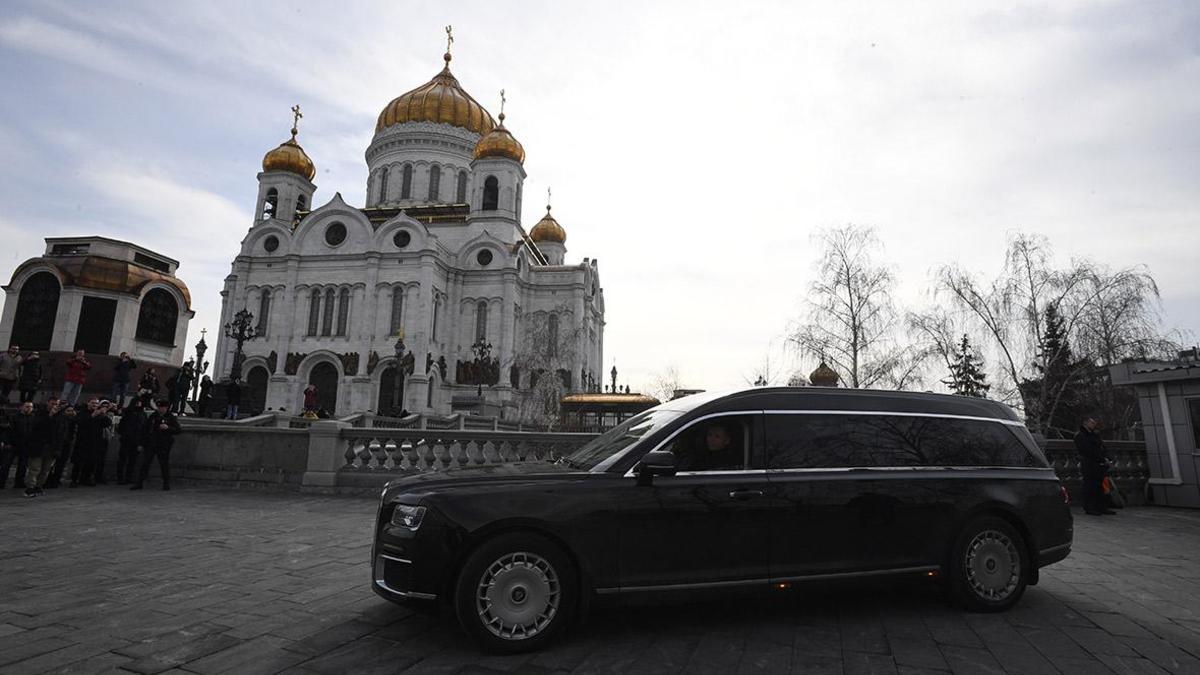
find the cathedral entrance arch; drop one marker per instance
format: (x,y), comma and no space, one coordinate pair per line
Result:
(255,399)
(325,376)
(389,402)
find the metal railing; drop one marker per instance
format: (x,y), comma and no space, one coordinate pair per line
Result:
(416,450)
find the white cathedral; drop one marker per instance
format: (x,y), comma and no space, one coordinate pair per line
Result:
(437,261)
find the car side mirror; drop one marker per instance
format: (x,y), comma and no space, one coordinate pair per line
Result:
(658,463)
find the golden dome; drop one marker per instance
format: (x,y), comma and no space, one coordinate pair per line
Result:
(289,156)
(499,142)
(548,230)
(823,376)
(439,100)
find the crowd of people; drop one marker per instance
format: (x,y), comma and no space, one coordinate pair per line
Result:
(63,442)
(42,441)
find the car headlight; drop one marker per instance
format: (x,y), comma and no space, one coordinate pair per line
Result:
(405,515)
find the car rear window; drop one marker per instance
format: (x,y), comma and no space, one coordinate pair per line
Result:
(831,440)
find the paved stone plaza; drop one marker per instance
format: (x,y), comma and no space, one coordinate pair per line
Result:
(206,581)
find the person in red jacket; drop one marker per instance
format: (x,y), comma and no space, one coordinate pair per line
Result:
(77,367)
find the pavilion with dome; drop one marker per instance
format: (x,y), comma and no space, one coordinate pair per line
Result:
(434,280)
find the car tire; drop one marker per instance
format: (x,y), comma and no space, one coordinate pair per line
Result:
(989,565)
(516,593)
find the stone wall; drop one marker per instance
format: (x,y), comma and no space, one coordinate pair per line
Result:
(240,454)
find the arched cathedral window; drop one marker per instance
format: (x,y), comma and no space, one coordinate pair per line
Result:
(491,194)
(157,317)
(327,317)
(481,312)
(383,176)
(301,203)
(460,194)
(435,182)
(406,182)
(264,311)
(37,307)
(397,311)
(271,203)
(314,311)
(343,311)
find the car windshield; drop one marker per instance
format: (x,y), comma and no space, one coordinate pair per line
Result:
(612,442)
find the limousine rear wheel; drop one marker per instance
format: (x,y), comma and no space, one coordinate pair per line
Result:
(515,593)
(989,567)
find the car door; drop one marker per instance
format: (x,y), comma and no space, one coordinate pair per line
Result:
(849,497)
(708,523)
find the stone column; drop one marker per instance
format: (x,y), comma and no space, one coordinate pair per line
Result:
(326,453)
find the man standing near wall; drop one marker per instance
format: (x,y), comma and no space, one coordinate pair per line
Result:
(161,429)
(10,368)
(122,375)
(1093,465)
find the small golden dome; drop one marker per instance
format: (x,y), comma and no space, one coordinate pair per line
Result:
(440,100)
(548,230)
(289,156)
(823,376)
(499,142)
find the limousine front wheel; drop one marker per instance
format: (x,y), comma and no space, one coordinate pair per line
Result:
(989,567)
(515,593)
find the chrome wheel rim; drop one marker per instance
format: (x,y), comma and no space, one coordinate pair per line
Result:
(518,596)
(993,565)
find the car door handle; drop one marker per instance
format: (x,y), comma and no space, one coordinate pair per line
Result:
(742,495)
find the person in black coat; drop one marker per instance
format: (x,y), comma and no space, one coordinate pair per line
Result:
(159,436)
(130,429)
(62,439)
(28,432)
(90,444)
(31,376)
(1093,465)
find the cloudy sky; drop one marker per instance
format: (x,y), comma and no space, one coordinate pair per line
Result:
(693,147)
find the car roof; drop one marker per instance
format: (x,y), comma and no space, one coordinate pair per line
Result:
(827,398)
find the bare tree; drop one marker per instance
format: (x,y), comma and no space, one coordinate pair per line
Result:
(850,318)
(544,365)
(664,383)
(1099,311)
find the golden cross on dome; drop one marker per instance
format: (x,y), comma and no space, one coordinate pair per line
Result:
(547,199)
(449,37)
(502,100)
(296,116)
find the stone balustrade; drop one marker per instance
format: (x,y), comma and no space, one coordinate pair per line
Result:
(1128,469)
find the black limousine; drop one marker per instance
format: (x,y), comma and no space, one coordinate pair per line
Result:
(769,486)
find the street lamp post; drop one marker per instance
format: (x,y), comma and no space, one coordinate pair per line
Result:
(201,364)
(483,350)
(398,393)
(240,330)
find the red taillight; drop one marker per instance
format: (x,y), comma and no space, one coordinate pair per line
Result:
(1065,495)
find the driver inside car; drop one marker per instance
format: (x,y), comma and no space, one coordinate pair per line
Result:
(713,449)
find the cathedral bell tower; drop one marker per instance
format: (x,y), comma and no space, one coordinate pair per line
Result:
(285,185)
(499,174)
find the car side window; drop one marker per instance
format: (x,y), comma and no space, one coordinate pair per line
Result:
(725,443)
(825,441)
(848,441)
(955,442)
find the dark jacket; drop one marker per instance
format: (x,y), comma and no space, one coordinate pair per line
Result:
(206,387)
(161,439)
(90,430)
(122,371)
(62,430)
(31,374)
(132,426)
(233,393)
(1092,456)
(30,431)
(149,382)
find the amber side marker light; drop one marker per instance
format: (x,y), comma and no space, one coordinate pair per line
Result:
(931,574)
(783,586)
(1065,495)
